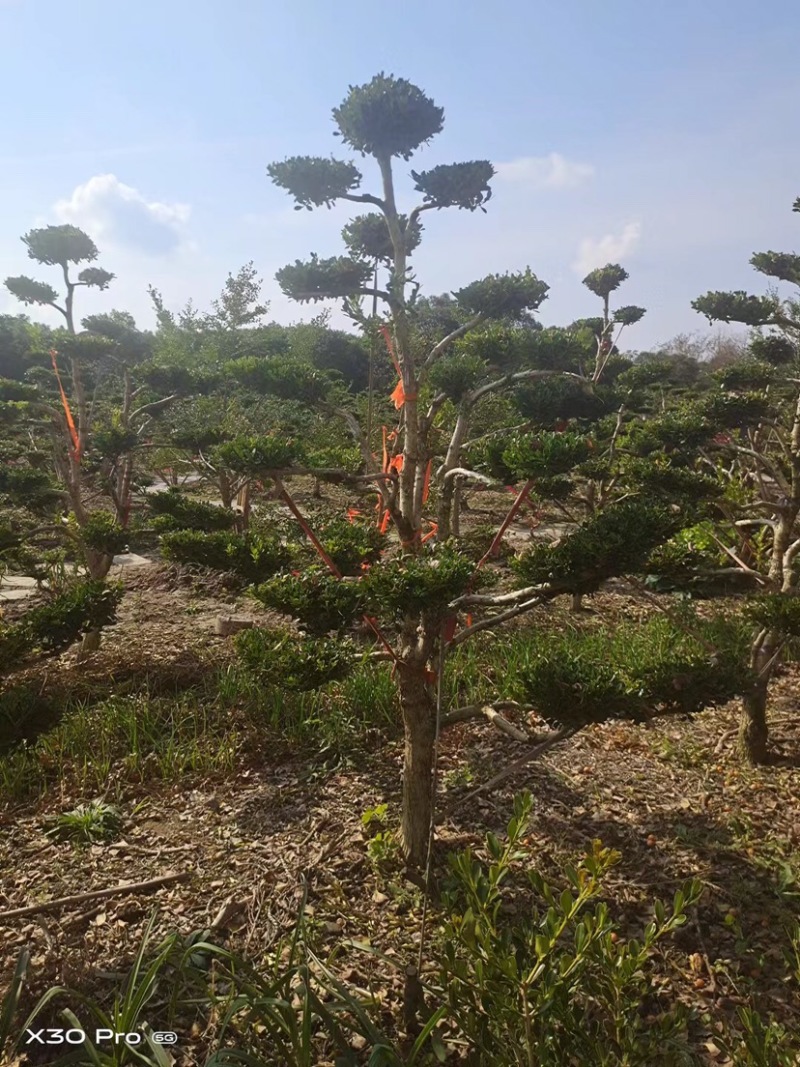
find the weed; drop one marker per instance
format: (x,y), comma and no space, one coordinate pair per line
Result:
(87,823)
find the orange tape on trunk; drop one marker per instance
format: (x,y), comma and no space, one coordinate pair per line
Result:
(76,441)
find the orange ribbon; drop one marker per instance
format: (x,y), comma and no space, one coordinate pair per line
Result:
(76,441)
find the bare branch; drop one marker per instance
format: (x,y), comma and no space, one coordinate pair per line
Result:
(364,198)
(445,343)
(495,620)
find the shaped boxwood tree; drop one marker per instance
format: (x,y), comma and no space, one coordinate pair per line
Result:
(763,394)
(419,593)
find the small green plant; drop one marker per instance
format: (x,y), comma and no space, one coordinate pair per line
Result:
(459,777)
(374,816)
(559,986)
(87,823)
(384,849)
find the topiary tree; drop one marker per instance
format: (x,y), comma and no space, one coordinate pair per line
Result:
(603,282)
(413,597)
(759,400)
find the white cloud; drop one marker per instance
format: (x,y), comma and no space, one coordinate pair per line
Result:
(119,214)
(545,172)
(608,249)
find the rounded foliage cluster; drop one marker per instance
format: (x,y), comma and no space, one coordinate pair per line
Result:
(315,597)
(174,510)
(635,670)
(313,181)
(281,658)
(259,455)
(500,296)
(368,237)
(323,279)
(251,557)
(457,374)
(617,540)
(463,185)
(415,585)
(387,117)
(545,454)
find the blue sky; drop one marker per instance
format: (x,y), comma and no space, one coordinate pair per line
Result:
(662,136)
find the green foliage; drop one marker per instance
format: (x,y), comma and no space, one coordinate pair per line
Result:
(57,246)
(456,374)
(315,182)
(779,612)
(323,279)
(660,666)
(545,454)
(174,510)
(291,661)
(680,431)
(29,291)
(259,455)
(387,117)
(617,540)
(681,561)
(555,349)
(658,477)
(628,315)
(53,626)
(604,280)
(503,296)
(501,347)
(96,277)
(86,823)
(102,533)
(551,399)
(782,265)
(463,185)
(253,558)
(556,986)
(28,487)
(368,237)
(319,600)
(737,306)
(281,376)
(775,349)
(351,544)
(734,410)
(111,440)
(746,374)
(416,585)
(13,392)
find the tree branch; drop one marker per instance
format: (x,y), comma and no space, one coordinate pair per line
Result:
(365,198)
(511,379)
(445,343)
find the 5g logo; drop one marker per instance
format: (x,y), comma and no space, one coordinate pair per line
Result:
(79,1037)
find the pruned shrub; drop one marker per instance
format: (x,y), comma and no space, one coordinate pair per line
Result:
(281,658)
(617,540)
(426,583)
(320,601)
(574,677)
(174,510)
(251,557)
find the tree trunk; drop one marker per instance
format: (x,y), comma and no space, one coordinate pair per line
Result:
(98,564)
(753,729)
(457,505)
(419,723)
(577,602)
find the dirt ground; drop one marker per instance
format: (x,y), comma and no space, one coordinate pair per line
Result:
(673,798)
